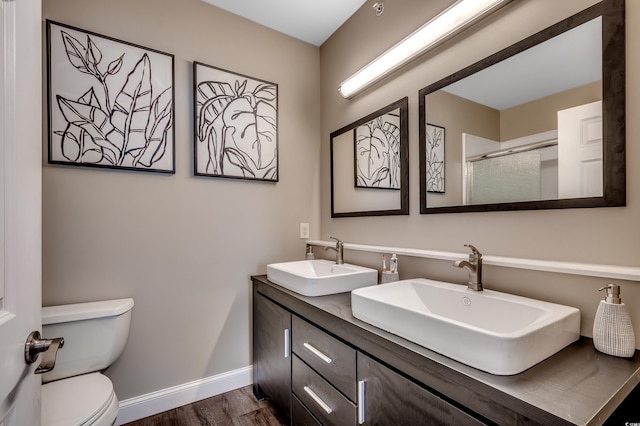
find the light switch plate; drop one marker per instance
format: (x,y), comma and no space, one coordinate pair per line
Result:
(304,230)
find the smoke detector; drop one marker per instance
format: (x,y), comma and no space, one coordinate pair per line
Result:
(378,8)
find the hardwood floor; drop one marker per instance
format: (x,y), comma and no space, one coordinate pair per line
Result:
(238,408)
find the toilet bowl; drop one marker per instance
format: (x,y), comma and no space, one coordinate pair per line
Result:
(75,392)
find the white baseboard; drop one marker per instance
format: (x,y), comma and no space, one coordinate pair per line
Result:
(166,399)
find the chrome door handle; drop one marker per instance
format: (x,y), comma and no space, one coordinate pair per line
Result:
(287,342)
(361,402)
(35,345)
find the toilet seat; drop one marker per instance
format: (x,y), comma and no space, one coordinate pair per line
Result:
(82,400)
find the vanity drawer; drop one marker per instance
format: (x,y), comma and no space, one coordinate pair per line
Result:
(321,399)
(300,416)
(334,360)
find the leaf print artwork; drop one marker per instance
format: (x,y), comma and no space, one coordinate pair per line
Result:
(435,158)
(236,125)
(377,152)
(111,102)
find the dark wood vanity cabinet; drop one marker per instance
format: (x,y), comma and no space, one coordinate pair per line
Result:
(272,354)
(313,378)
(321,366)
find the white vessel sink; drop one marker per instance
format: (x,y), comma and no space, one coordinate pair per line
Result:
(320,277)
(494,332)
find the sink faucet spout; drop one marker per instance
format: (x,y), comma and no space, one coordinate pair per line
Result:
(462,264)
(474,267)
(339,249)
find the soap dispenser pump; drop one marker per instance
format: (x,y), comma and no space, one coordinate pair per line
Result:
(612,329)
(309,255)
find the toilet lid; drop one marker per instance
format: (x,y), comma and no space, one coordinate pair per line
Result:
(79,400)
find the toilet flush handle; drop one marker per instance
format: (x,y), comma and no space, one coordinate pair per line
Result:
(35,345)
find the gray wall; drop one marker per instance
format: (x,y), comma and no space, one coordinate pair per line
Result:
(184,247)
(603,236)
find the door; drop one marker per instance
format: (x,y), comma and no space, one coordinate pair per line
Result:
(580,151)
(20,206)
(272,354)
(387,398)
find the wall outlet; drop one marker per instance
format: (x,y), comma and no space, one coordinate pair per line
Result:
(304,230)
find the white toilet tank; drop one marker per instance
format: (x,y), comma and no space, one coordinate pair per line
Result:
(94,333)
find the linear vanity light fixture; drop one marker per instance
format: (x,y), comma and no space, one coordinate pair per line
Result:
(452,20)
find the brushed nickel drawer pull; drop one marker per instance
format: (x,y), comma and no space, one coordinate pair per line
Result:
(317,399)
(361,399)
(317,352)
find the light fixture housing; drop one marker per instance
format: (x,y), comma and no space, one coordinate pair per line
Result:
(454,19)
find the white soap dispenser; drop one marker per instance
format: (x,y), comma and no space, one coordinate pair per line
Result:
(612,329)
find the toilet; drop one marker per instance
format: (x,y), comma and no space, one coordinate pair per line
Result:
(75,392)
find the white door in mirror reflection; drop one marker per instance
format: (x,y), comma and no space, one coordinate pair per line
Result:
(580,151)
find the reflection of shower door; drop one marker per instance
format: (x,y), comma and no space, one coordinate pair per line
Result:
(580,151)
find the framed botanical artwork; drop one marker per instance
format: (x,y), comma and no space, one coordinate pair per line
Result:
(111,102)
(434,144)
(377,151)
(236,125)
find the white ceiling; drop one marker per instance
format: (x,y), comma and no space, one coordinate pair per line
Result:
(577,50)
(307,20)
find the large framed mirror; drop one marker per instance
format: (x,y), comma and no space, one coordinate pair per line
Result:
(370,164)
(538,125)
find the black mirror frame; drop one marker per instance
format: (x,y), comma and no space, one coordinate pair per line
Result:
(403,105)
(613,108)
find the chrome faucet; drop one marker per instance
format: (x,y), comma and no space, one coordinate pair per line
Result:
(474,266)
(339,248)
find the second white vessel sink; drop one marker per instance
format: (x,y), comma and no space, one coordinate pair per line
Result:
(495,332)
(320,277)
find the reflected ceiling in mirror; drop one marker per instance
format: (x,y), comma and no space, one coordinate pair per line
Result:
(537,125)
(370,164)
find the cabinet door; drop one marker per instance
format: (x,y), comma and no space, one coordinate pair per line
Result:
(387,398)
(272,354)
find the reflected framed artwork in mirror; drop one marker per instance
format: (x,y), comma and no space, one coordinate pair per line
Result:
(370,164)
(538,125)
(434,141)
(377,152)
